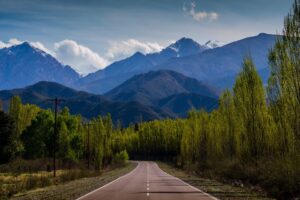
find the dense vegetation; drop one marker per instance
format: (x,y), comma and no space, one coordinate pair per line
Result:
(28,132)
(254,135)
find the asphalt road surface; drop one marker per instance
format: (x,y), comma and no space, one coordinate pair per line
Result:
(147,181)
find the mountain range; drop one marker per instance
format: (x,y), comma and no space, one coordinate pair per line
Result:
(165,84)
(118,72)
(219,66)
(86,104)
(209,63)
(162,102)
(23,64)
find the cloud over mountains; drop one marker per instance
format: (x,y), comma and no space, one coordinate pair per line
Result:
(119,50)
(83,59)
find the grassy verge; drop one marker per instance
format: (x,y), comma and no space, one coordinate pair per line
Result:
(215,188)
(14,183)
(74,189)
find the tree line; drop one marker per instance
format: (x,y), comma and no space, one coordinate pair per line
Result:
(27,131)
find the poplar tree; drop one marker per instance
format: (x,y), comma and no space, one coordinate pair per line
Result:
(231,130)
(284,83)
(251,108)
(15,111)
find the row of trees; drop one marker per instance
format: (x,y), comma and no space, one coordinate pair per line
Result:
(244,139)
(28,131)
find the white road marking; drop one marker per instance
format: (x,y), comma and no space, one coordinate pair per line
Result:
(212,197)
(109,183)
(148,185)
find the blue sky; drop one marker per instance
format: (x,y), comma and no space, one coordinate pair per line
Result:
(103,26)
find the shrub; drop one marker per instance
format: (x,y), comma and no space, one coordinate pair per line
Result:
(121,158)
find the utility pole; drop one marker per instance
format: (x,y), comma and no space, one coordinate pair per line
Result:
(55,135)
(88,144)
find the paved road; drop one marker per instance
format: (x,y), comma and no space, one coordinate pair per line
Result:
(147,181)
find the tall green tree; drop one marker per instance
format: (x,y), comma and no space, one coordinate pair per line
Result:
(251,109)
(230,127)
(284,83)
(38,137)
(15,110)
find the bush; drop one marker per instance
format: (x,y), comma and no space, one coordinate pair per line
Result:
(121,158)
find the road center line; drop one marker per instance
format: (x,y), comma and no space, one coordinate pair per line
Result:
(148,185)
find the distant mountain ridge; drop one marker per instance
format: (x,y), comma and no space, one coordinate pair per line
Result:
(154,95)
(220,66)
(181,104)
(118,72)
(217,66)
(167,90)
(86,104)
(149,87)
(23,65)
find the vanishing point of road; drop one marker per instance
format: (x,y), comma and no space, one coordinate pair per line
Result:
(147,181)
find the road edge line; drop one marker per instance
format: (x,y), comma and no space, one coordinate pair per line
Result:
(193,187)
(108,183)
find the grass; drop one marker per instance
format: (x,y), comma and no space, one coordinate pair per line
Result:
(215,188)
(68,184)
(14,183)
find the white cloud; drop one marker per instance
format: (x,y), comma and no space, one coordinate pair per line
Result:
(14,41)
(2,45)
(81,58)
(123,49)
(40,46)
(199,16)
(10,43)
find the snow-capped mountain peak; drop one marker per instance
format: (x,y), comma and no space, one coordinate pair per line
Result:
(23,64)
(211,44)
(186,46)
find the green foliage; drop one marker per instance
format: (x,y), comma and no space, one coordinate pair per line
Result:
(284,83)
(121,158)
(15,147)
(37,138)
(70,140)
(7,127)
(252,112)
(22,115)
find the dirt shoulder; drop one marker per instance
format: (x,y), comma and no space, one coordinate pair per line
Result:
(215,188)
(76,188)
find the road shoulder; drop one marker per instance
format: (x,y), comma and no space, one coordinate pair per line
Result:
(220,190)
(75,189)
